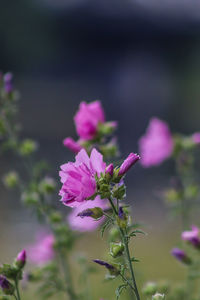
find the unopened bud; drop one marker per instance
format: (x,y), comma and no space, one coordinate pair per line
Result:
(181,256)
(11,179)
(27,147)
(116,249)
(114,269)
(6,286)
(128,163)
(95,213)
(21,259)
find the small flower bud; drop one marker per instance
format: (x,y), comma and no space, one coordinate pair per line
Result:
(150,288)
(55,217)
(114,269)
(27,147)
(110,169)
(181,256)
(6,286)
(21,259)
(72,145)
(95,213)
(30,198)
(116,249)
(128,163)
(11,179)
(158,296)
(122,218)
(47,185)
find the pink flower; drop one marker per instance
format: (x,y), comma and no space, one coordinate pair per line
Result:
(78,178)
(128,163)
(157,144)
(72,145)
(42,251)
(192,236)
(196,137)
(87,223)
(87,119)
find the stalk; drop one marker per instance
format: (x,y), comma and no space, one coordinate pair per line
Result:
(128,257)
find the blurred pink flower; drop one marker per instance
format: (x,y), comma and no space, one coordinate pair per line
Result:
(42,251)
(196,137)
(157,144)
(86,223)
(72,145)
(192,236)
(78,178)
(87,119)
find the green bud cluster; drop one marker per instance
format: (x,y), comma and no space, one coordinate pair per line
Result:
(28,147)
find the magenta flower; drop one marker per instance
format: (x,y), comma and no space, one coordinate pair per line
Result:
(157,144)
(192,236)
(78,178)
(180,255)
(196,137)
(87,119)
(72,145)
(21,259)
(86,224)
(128,163)
(42,251)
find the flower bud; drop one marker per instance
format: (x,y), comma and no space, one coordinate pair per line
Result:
(30,198)
(47,185)
(9,271)
(114,269)
(128,163)
(158,296)
(122,218)
(150,288)
(27,147)
(72,145)
(6,286)
(21,259)
(11,179)
(110,169)
(181,256)
(95,213)
(116,249)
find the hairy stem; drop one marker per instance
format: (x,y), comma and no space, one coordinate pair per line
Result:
(17,290)
(128,257)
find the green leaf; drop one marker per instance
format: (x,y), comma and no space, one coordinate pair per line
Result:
(134,259)
(119,290)
(134,232)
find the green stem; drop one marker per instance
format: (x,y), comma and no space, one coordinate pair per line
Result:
(17,289)
(67,274)
(125,241)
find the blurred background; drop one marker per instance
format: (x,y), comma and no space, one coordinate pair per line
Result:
(141,58)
